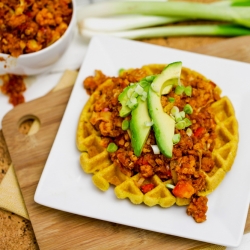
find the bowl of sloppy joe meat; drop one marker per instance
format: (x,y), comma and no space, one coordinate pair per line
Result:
(34,34)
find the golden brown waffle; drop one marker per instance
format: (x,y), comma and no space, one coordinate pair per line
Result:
(226,143)
(95,159)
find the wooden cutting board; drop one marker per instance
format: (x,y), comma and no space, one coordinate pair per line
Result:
(60,230)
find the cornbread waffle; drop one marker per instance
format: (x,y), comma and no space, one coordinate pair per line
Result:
(96,160)
(226,143)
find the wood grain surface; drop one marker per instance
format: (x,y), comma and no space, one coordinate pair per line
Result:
(59,230)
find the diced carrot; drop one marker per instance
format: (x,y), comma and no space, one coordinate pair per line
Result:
(183,189)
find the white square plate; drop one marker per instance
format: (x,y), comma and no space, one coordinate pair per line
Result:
(64,186)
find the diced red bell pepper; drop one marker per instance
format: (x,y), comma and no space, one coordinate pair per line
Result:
(199,131)
(147,187)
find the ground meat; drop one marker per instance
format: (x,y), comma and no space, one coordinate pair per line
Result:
(92,82)
(13,86)
(207,164)
(198,208)
(146,171)
(29,26)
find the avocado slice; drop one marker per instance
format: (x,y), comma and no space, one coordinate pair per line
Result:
(163,124)
(139,131)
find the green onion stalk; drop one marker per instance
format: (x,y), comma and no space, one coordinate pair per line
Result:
(232,12)
(135,19)
(198,30)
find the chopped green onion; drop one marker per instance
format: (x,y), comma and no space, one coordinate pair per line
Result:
(182,114)
(125,124)
(179,90)
(112,147)
(143,83)
(138,89)
(188,109)
(130,92)
(188,91)
(132,103)
(144,96)
(189,132)
(176,138)
(155,149)
(180,125)
(150,79)
(171,99)
(120,71)
(171,186)
(178,117)
(187,122)
(174,110)
(134,94)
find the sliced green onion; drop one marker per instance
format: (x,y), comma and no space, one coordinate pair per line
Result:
(188,91)
(171,99)
(170,186)
(188,109)
(174,110)
(182,114)
(150,79)
(176,138)
(130,92)
(187,122)
(155,149)
(144,96)
(112,147)
(189,132)
(178,117)
(134,95)
(125,124)
(180,125)
(179,90)
(120,71)
(139,90)
(143,83)
(132,103)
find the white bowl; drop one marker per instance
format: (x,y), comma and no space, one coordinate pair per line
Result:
(40,61)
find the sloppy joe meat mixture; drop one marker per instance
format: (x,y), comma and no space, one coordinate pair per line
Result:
(191,155)
(30,25)
(13,86)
